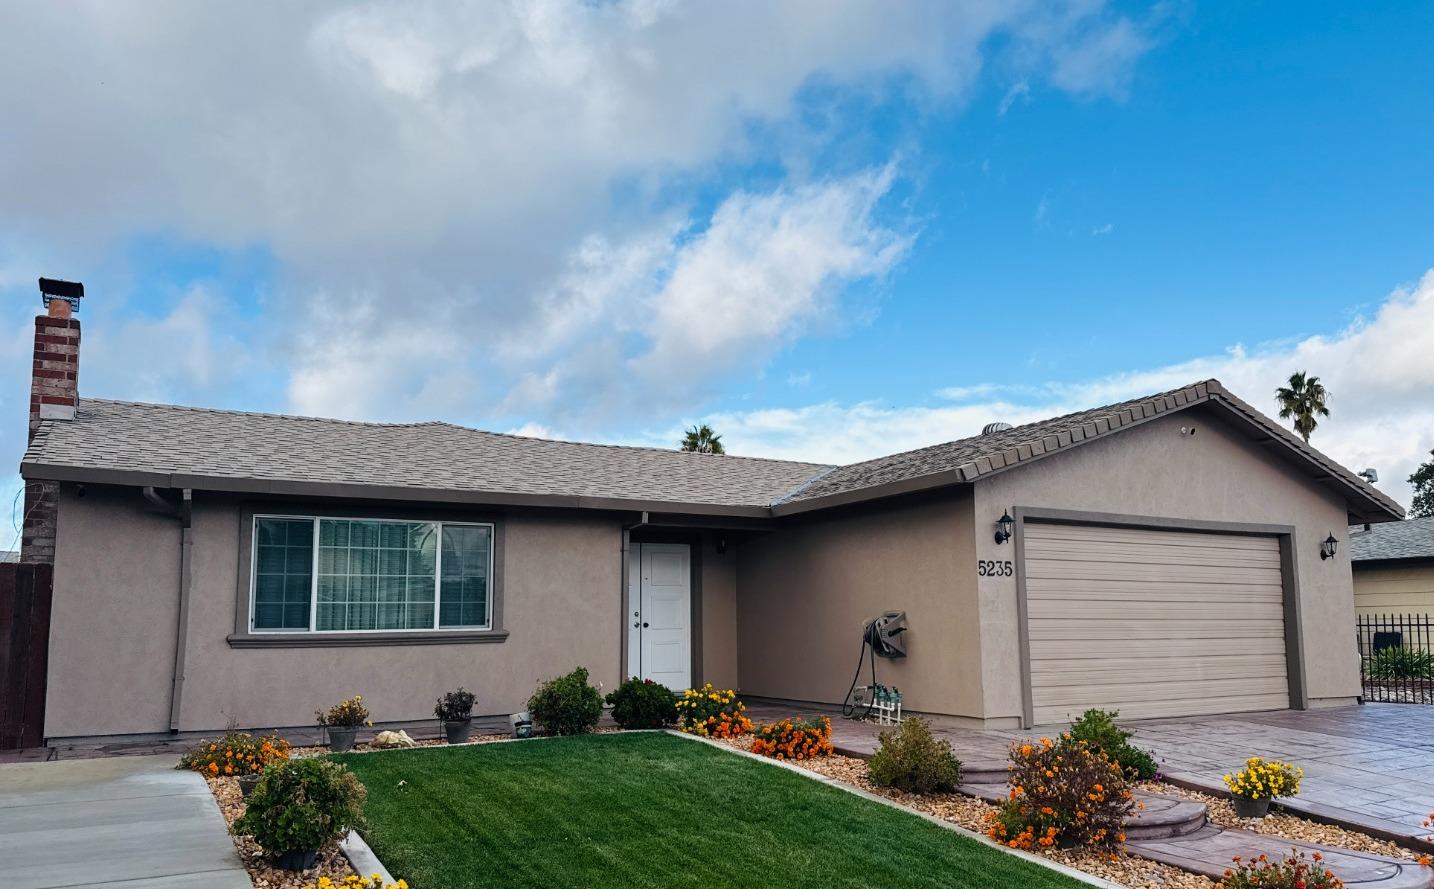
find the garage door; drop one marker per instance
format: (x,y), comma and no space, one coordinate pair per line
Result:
(1153,623)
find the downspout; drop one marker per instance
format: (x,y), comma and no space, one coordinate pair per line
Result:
(623,655)
(184,512)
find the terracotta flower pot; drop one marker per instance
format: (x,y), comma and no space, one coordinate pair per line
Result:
(457,730)
(1251,808)
(341,737)
(296,859)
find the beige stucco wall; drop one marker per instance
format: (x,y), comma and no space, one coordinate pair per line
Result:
(1394,590)
(114,623)
(1153,470)
(805,591)
(719,614)
(113,618)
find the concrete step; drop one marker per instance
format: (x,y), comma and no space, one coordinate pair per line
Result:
(1210,851)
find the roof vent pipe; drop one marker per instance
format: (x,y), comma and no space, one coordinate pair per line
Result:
(998,426)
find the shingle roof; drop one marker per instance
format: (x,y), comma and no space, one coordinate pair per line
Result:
(1409,539)
(969,459)
(204,447)
(181,447)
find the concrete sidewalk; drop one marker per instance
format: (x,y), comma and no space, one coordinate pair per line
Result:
(131,822)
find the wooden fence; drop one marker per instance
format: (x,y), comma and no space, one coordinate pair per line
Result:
(25,593)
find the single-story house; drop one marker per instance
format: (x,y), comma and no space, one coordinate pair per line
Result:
(1166,555)
(1393,567)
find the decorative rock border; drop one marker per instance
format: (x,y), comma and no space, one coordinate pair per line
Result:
(365,863)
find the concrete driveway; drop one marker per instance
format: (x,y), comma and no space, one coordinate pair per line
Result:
(1375,762)
(131,822)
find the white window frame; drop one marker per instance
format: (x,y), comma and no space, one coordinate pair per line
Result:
(312,628)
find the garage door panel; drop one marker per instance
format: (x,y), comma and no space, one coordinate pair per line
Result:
(1039,531)
(1091,609)
(1143,590)
(1104,671)
(1153,623)
(1097,631)
(1131,693)
(1061,569)
(1050,715)
(1076,551)
(1078,649)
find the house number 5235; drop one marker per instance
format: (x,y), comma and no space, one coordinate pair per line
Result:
(993,568)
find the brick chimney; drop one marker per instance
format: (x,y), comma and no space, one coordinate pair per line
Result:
(54,395)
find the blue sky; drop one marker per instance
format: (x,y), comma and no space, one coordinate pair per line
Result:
(833,232)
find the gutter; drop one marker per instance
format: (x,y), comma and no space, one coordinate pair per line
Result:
(185,513)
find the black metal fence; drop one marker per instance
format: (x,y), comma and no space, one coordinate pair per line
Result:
(1396,657)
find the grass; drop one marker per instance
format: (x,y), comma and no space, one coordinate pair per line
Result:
(647,809)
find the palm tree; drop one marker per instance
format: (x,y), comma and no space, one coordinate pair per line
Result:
(702,440)
(1304,399)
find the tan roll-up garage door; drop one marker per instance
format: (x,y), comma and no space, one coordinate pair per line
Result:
(1153,623)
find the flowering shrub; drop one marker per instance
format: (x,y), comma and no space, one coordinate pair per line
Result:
(302,804)
(1062,793)
(345,714)
(1295,872)
(352,882)
(794,738)
(911,759)
(642,703)
(1265,779)
(711,713)
(237,753)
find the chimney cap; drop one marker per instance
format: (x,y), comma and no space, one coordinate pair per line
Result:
(69,291)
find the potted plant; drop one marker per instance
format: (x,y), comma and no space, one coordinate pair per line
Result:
(299,806)
(455,711)
(1259,782)
(343,720)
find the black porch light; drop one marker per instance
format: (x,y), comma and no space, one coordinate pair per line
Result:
(1329,547)
(1003,526)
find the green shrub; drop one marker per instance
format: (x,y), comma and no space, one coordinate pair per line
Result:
(302,804)
(1401,663)
(566,705)
(911,759)
(455,706)
(1098,729)
(642,703)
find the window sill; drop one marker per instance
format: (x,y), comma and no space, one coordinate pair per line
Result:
(359,640)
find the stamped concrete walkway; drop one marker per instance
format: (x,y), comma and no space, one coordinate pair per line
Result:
(131,822)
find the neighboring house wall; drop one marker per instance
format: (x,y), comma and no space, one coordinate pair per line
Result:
(805,591)
(1394,588)
(1219,475)
(117,589)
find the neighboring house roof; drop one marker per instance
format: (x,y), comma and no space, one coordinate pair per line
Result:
(1409,539)
(122,442)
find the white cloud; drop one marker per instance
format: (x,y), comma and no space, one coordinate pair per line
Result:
(1102,230)
(1019,91)
(455,176)
(1379,371)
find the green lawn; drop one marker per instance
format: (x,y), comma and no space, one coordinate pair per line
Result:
(632,810)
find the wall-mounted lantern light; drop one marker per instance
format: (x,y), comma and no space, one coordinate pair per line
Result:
(1328,548)
(1003,527)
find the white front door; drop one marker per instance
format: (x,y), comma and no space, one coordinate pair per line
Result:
(660,626)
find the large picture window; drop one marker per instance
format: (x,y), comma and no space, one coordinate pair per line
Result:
(337,575)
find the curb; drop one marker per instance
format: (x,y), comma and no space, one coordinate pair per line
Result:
(1074,874)
(361,857)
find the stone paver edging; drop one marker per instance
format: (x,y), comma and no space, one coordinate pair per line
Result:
(363,860)
(1041,861)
